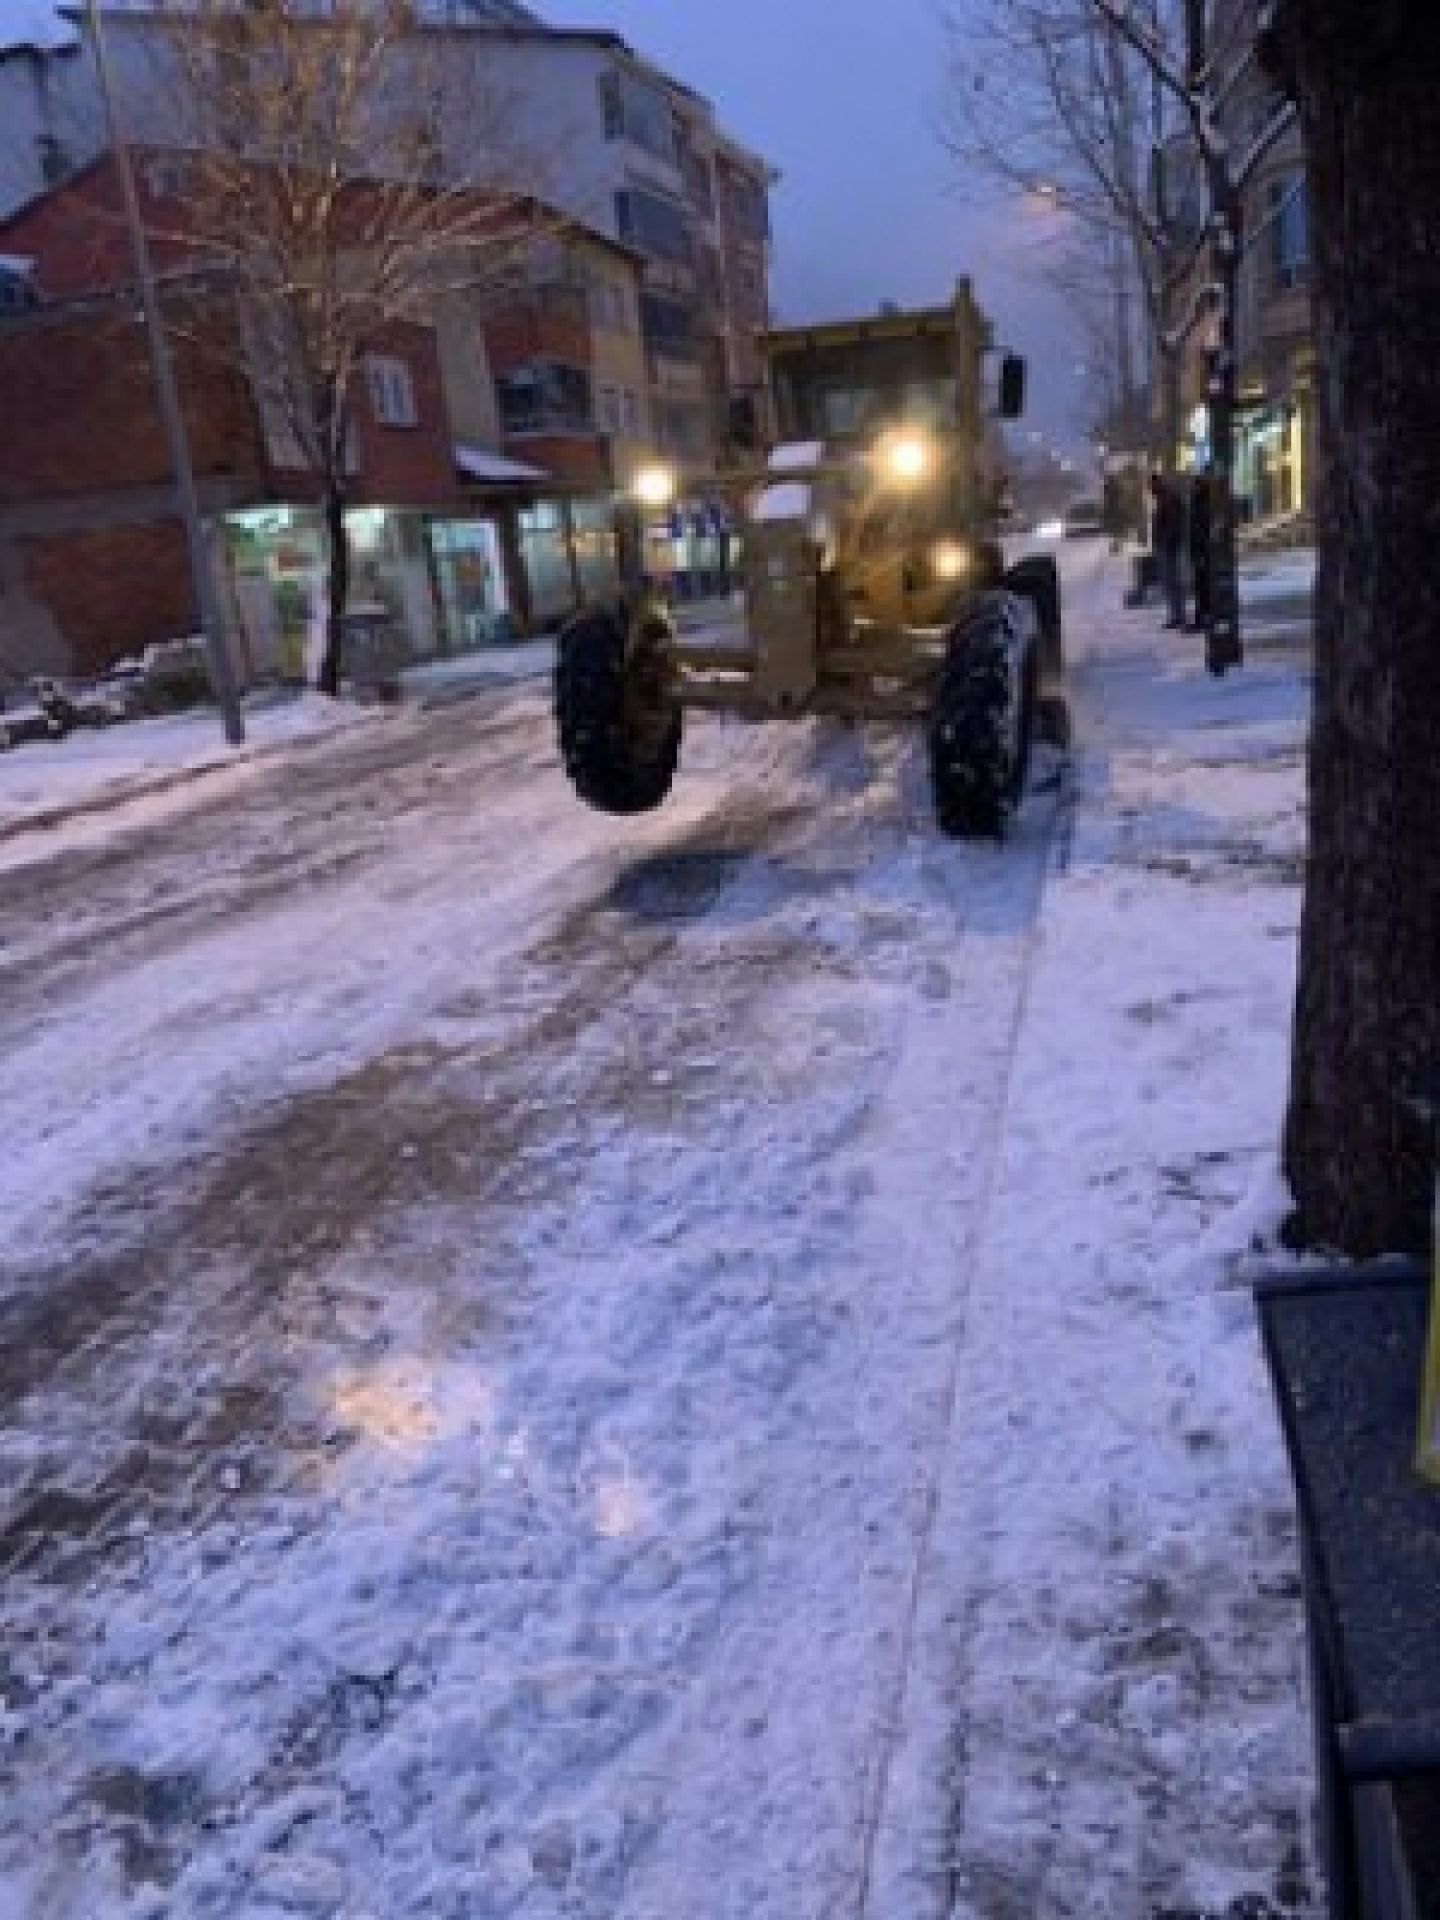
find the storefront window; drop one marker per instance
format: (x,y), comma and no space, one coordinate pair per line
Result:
(470,580)
(279,564)
(390,572)
(547,566)
(595,548)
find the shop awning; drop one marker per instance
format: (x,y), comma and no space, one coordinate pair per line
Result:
(494,470)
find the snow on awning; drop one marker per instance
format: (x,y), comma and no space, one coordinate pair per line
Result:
(476,464)
(793,455)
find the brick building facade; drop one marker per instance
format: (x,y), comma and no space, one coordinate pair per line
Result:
(92,567)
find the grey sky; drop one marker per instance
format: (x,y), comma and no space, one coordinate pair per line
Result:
(843,96)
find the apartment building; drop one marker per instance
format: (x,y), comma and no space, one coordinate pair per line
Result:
(633,152)
(604,134)
(1275,427)
(1275,422)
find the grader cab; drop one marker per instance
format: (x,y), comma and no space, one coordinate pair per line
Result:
(873,583)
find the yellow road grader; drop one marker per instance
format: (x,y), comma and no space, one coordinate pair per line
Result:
(874,585)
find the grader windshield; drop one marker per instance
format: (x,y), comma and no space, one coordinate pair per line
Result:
(850,390)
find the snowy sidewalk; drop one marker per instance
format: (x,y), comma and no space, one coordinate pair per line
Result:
(43,786)
(1104,1711)
(457,677)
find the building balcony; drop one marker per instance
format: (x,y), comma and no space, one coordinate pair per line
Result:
(570,423)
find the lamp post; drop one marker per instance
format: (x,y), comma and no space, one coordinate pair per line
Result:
(222,680)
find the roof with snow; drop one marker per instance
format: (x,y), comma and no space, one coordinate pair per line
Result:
(35,26)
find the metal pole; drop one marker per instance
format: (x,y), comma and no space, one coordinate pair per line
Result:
(217,658)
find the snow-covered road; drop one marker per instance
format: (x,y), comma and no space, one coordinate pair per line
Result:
(503,1326)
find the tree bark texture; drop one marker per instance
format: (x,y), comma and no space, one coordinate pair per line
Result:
(337,588)
(1367,1025)
(1223,648)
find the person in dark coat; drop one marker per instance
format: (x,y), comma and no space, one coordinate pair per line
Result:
(1167,537)
(1114,511)
(1200,529)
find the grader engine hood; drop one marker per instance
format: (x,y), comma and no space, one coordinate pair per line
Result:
(789,542)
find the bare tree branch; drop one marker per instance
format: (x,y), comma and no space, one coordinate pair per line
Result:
(308,150)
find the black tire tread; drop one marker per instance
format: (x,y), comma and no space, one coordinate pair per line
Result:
(609,766)
(1038,578)
(975,778)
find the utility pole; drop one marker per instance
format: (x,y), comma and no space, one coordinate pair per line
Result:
(222,679)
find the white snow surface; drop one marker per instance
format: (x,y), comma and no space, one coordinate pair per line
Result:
(795,456)
(693,1368)
(789,501)
(102,765)
(1286,575)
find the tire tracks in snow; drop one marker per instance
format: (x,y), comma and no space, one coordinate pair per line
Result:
(909,1773)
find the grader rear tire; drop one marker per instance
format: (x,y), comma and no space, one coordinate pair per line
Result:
(1038,579)
(979,752)
(619,725)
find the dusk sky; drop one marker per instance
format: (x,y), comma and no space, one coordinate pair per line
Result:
(844,96)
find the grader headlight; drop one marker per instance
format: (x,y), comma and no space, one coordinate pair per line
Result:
(905,459)
(949,560)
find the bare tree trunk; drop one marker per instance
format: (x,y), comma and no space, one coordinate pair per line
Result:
(1222,638)
(337,585)
(1367,1029)
(1223,648)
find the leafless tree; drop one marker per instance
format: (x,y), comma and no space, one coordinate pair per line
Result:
(1047,102)
(1196,57)
(312,185)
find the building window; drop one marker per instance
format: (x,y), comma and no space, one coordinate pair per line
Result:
(17,290)
(695,170)
(165,177)
(547,397)
(1290,230)
(609,309)
(681,428)
(748,208)
(670,326)
(55,160)
(750,286)
(631,110)
(392,391)
(612,109)
(655,225)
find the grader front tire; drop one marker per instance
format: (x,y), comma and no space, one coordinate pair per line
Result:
(619,726)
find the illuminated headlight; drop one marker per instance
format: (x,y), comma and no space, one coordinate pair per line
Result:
(655,486)
(905,459)
(1050,530)
(949,560)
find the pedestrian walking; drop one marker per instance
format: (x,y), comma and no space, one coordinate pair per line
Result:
(1167,537)
(1199,536)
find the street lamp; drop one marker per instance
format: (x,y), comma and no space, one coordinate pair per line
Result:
(202,579)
